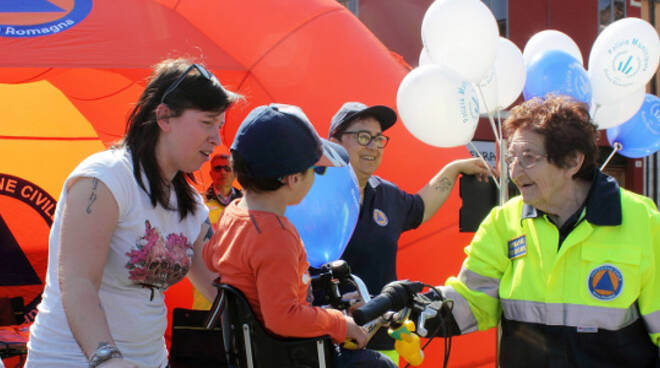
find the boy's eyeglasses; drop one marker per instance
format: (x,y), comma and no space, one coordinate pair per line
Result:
(364,138)
(320,170)
(218,168)
(202,71)
(526,159)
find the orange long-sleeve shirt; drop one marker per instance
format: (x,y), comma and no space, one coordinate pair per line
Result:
(261,254)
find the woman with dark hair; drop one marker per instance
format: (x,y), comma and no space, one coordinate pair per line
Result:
(127,226)
(571,268)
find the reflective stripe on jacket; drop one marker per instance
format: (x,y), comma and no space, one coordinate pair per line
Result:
(593,302)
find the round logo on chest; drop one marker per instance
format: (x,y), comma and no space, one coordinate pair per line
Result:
(380,217)
(605,282)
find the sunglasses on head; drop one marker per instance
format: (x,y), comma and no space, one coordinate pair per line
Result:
(227,168)
(202,71)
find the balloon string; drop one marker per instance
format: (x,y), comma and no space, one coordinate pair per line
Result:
(504,172)
(499,141)
(490,115)
(490,171)
(593,117)
(617,147)
(499,126)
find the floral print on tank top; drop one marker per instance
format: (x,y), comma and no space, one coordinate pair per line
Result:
(158,261)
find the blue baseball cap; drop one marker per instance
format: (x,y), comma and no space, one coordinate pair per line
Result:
(354,110)
(277,140)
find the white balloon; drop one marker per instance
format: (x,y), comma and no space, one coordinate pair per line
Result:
(424,58)
(623,59)
(461,34)
(437,106)
(551,39)
(487,92)
(507,79)
(610,115)
(511,73)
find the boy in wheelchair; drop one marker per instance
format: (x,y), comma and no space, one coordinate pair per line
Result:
(257,250)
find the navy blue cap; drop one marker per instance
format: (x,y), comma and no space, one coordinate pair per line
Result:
(354,110)
(279,140)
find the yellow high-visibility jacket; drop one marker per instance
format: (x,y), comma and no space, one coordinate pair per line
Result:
(593,300)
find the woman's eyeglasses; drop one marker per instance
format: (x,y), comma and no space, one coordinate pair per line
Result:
(526,159)
(364,138)
(219,168)
(202,71)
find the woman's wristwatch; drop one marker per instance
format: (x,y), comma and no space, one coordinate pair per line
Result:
(103,353)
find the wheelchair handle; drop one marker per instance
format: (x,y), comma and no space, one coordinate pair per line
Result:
(371,310)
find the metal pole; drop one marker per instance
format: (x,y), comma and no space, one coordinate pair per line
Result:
(653,161)
(655,178)
(504,173)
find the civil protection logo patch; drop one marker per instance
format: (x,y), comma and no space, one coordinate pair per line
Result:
(35,18)
(605,282)
(22,268)
(380,217)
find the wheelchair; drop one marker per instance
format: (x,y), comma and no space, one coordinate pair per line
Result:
(248,344)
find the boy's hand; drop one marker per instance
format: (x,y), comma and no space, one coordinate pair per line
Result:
(356,333)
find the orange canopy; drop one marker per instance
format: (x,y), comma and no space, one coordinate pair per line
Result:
(70,71)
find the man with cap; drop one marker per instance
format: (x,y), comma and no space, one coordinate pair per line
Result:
(385,210)
(218,196)
(257,250)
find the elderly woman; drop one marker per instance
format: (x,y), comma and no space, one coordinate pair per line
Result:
(571,268)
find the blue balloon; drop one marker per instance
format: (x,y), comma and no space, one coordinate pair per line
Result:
(326,217)
(557,72)
(640,135)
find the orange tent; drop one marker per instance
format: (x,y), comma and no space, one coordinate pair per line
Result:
(71,70)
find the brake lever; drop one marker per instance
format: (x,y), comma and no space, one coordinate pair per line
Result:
(430,311)
(361,288)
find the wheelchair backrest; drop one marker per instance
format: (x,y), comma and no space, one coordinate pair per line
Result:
(245,335)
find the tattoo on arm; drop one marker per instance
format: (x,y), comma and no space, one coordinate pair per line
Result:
(92,196)
(444,185)
(209,233)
